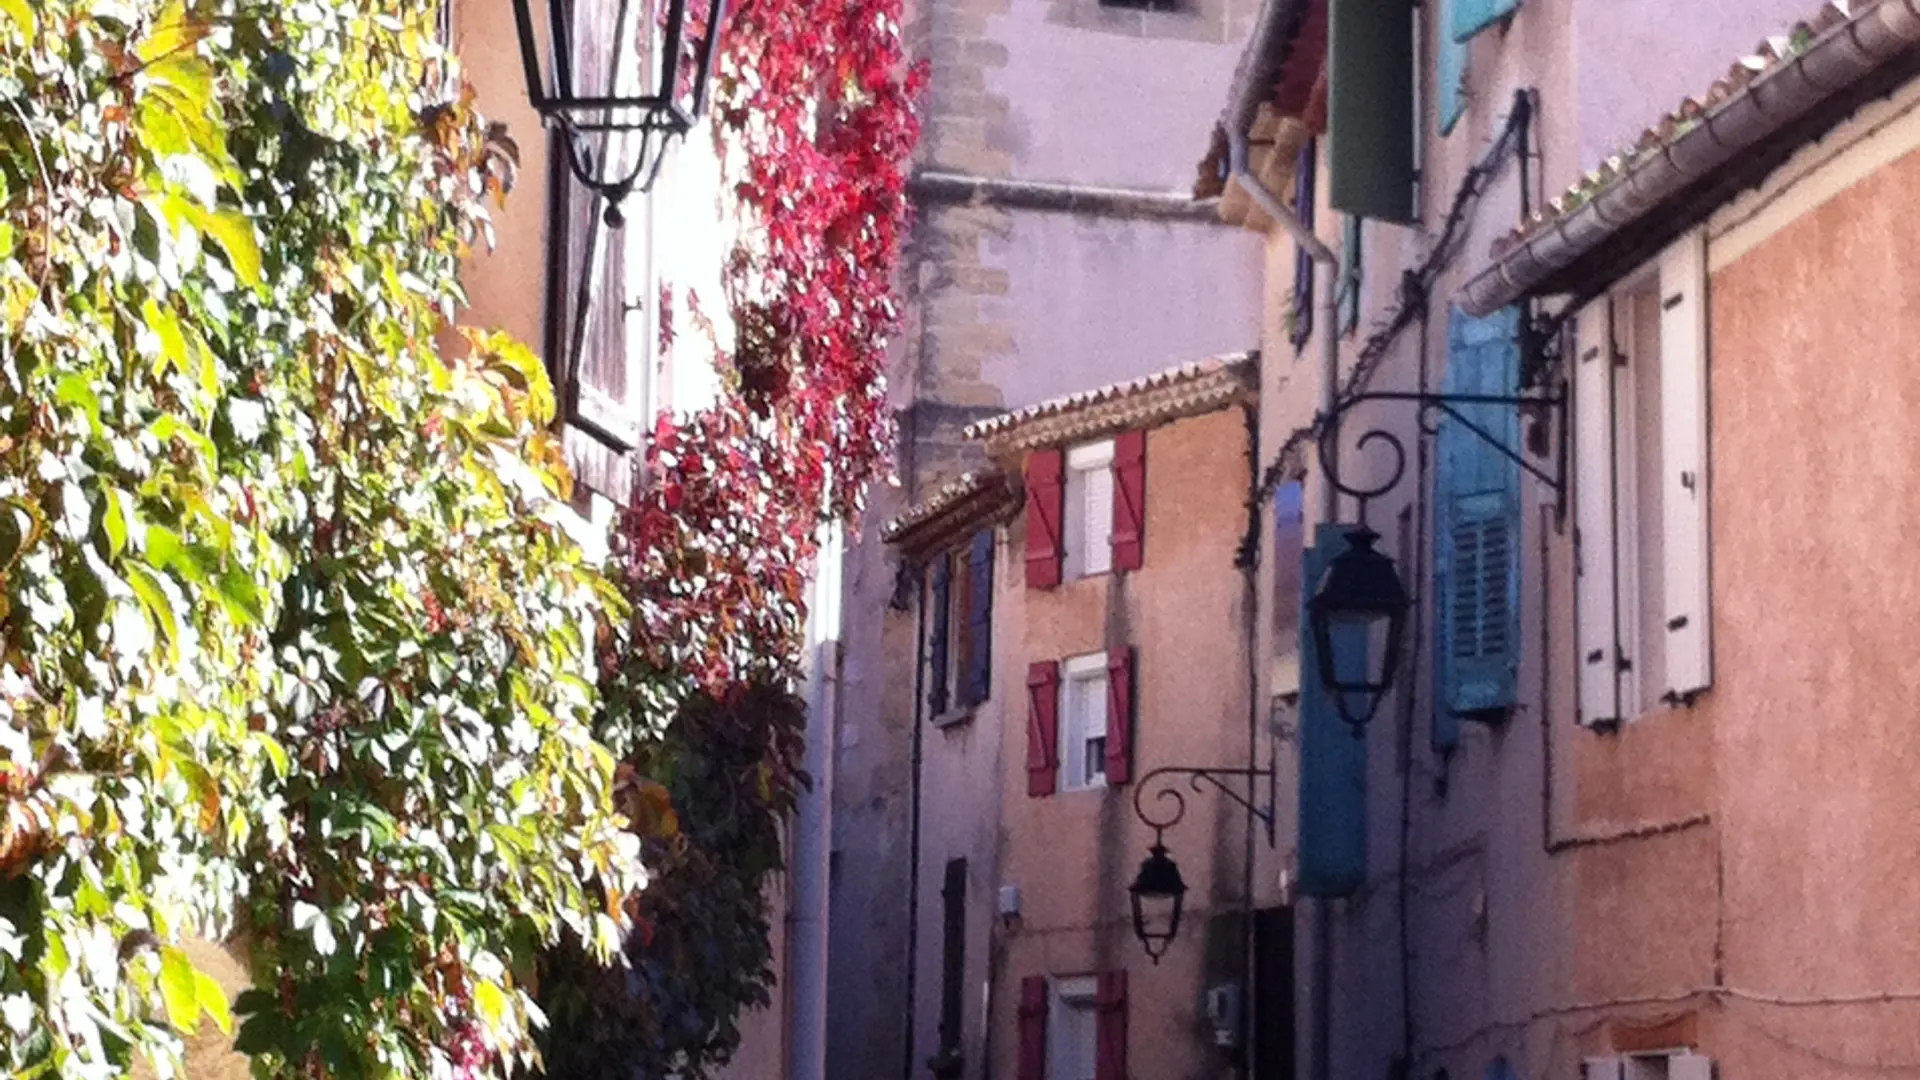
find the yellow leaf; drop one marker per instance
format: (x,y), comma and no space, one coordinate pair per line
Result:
(178,991)
(173,341)
(214,1000)
(233,231)
(21,15)
(174,32)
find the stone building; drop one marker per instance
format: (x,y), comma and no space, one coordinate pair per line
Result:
(1055,249)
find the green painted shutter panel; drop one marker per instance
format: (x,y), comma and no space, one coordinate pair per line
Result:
(1450,69)
(1477,532)
(1333,759)
(1370,116)
(1468,17)
(1350,270)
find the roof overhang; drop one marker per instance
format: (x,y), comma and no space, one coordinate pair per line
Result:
(1278,100)
(1701,156)
(951,513)
(1149,401)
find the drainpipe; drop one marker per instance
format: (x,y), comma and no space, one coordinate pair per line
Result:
(1268,32)
(1250,88)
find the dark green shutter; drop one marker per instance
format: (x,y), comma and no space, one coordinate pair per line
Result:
(1333,759)
(1350,268)
(1370,118)
(1477,528)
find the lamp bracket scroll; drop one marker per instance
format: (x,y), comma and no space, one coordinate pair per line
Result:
(1171,802)
(1544,407)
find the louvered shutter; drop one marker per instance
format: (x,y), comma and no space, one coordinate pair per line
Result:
(1450,68)
(1119,763)
(1468,17)
(1043,727)
(1477,506)
(979,674)
(1597,571)
(1685,465)
(1033,1028)
(939,619)
(1110,1027)
(1046,495)
(1333,760)
(597,388)
(1129,499)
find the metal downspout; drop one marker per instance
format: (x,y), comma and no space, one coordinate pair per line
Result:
(1265,42)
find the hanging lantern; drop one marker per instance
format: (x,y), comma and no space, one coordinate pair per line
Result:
(1358,617)
(1158,895)
(621,79)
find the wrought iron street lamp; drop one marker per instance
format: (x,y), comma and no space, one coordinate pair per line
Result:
(621,80)
(1358,618)
(1158,896)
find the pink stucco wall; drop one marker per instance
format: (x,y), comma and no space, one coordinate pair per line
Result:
(1073,853)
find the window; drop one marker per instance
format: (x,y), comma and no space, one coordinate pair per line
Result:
(1143,5)
(960,628)
(1080,722)
(948,1061)
(1289,540)
(1083,727)
(1086,509)
(1663,1065)
(1073,1028)
(1089,510)
(1641,471)
(1073,1038)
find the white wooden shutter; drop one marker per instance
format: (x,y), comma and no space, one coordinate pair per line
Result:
(1611,1068)
(1099,520)
(1684,465)
(1597,600)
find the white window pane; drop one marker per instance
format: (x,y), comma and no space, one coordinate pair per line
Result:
(1096,768)
(1083,722)
(1074,527)
(1098,509)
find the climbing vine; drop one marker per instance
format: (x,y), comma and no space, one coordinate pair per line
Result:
(290,636)
(815,117)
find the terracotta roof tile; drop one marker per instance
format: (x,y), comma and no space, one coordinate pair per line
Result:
(1165,395)
(1687,115)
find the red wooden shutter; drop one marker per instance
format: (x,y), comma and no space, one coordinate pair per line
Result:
(1046,495)
(1110,1063)
(1033,1028)
(1119,714)
(1129,499)
(1043,727)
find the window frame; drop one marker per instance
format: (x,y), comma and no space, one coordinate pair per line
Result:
(1643,590)
(1083,556)
(1073,995)
(1076,729)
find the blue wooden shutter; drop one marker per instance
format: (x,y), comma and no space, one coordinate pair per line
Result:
(940,605)
(1477,528)
(1450,70)
(979,674)
(1333,760)
(1468,17)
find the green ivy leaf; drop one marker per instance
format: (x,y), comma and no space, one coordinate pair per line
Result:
(174,32)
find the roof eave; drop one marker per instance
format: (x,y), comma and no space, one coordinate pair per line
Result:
(1737,144)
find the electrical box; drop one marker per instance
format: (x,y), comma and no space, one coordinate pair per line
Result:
(1008,906)
(1223,1013)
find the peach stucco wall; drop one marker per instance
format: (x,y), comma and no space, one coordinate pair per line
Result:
(1074,853)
